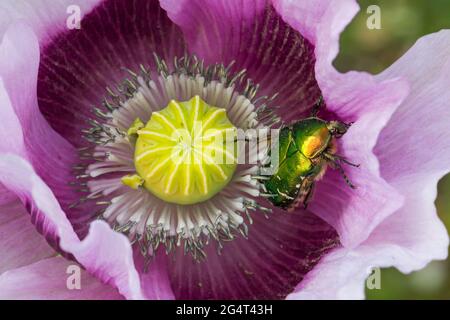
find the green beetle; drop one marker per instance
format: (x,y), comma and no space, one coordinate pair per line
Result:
(306,148)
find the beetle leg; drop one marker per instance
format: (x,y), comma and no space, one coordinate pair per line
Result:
(305,194)
(334,162)
(344,160)
(317,106)
(309,194)
(342,172)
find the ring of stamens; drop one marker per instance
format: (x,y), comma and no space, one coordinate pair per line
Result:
(109,168)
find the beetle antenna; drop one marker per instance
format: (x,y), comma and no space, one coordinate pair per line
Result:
(317,106)
(342,172)
(342,159)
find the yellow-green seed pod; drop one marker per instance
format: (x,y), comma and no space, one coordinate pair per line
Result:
(182,155)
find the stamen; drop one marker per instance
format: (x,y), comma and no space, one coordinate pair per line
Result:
(121,189)
(133,181)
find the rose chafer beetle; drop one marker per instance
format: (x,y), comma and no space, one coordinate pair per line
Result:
(306,149)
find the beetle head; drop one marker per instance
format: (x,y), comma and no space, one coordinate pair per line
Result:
(338,128)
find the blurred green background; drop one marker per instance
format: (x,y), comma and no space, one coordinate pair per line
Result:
(402,23)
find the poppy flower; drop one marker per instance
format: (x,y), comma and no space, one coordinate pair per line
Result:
(79,169)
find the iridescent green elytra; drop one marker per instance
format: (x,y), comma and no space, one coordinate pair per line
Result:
(306,148)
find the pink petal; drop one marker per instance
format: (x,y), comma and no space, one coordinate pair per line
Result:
(8,200)
(418,131)
(20,242)
(78,66)
(20,48)
(6,196)
(408,240)
(156,279)
(339,275)
(304,16)
(412,161)
(322,22)
(253,35)
(10,123)
(414,235)
(46,17)
(268,265)
(104,253)
(414,151)
(355,213)
(354,97)
(19,239)
(48,279)
(26,132)
(213,29)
